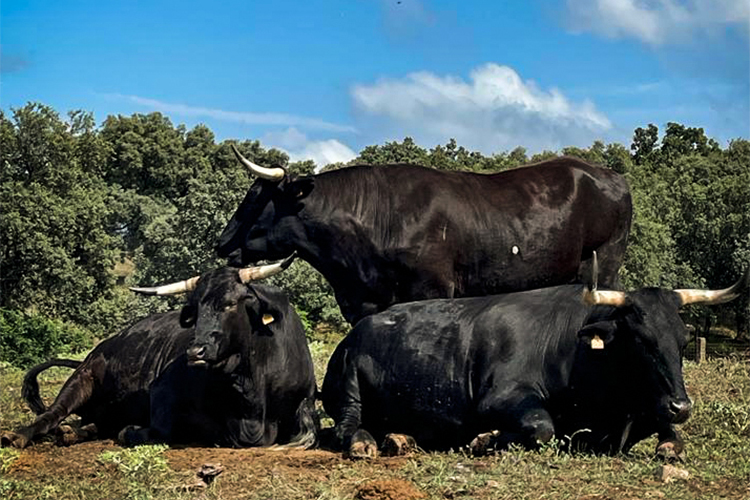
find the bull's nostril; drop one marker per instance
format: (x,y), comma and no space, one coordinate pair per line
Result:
(196,352)
(681,410)
(679,406)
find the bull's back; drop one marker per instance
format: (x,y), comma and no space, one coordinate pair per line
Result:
(519,229)
(125,365)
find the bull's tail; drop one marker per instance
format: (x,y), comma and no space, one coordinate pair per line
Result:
(308,427)
(30,389)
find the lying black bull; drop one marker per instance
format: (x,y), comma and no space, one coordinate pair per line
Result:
(532,365)
(388,234)
(232,368)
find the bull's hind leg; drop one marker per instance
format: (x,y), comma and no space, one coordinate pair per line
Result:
(76,391)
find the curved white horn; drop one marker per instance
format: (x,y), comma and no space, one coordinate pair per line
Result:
(592,296)
(711,297)
(271,174)
(170,289)
(604,297)
(259,272)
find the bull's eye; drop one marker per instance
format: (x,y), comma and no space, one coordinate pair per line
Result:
(229,307)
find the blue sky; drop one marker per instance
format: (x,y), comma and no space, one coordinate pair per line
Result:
(323,79)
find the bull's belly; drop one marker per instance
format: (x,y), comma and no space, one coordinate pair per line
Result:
(437,420)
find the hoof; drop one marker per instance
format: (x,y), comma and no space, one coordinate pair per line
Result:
(395,445)
(69,434)
(670,451)
(484,443)
(362,445)
(11,439)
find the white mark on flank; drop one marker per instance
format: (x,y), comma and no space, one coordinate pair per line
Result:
(514,250)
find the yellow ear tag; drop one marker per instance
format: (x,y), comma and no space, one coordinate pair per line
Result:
(267,319)
(597,343)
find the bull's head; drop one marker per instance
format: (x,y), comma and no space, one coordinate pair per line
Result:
(255,231)
(224,310)
(652,337)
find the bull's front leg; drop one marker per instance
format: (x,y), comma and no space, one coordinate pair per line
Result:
(356,442)
(518,417)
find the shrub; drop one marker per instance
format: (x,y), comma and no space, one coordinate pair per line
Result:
(26,339)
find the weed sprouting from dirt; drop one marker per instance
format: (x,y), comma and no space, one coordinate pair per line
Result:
(144,469)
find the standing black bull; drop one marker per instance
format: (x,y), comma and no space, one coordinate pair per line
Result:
(232,368)
(533,365)
(385,235)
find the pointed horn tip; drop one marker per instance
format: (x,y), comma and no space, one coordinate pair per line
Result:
(143,291)
(594,272)
(271,174)
(288,261)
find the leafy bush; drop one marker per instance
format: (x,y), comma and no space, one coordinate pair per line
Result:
(26,339)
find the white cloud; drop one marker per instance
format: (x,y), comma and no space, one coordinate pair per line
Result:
(235,116)
(300,148)
(496,110)
(656,22)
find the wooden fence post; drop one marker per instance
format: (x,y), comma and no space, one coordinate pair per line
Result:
(700,349)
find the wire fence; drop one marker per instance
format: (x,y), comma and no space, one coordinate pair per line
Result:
(714,347)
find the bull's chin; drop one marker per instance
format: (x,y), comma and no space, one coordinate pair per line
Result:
(681,419)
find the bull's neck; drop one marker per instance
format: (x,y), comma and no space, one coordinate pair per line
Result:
(358,273)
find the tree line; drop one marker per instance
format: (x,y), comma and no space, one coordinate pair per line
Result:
(87,210)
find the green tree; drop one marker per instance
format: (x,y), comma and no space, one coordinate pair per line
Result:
(644,143)
(57,249)
(147,155)
(393,152)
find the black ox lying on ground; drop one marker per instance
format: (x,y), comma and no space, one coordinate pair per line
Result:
(601,370)
(388,234)
(232,368)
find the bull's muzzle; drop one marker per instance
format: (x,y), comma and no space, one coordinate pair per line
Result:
(680,410)
(196,355)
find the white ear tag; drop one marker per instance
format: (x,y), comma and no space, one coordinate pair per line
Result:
(267,319)
(597,343)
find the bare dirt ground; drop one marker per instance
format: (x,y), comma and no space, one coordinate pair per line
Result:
(246,473)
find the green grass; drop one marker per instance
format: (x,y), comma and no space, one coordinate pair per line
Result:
(717,457)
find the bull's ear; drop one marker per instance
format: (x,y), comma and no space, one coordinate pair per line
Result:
(187,316)
(300,188)
(598,335)
(268,311)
